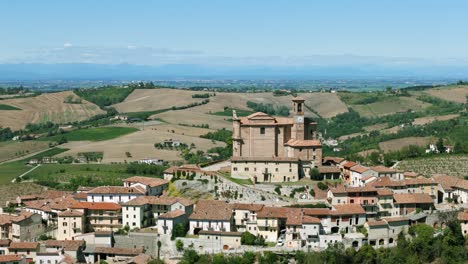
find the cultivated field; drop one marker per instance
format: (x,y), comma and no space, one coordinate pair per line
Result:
(93,134)
(430,119)
(155,99)
(43,108)
(15,149)
(140,145)
(397,144)
(456,93)
(455,165)
(390,105)
(325,104)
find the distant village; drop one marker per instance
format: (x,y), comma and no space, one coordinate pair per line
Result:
(143,220)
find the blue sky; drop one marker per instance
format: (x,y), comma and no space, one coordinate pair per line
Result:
(236,32)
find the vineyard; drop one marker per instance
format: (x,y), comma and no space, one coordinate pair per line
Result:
(454,165)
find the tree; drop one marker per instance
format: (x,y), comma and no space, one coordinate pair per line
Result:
(247,238)
(315,174)
(440,145)
(159,249)
(179,245)
(179,231)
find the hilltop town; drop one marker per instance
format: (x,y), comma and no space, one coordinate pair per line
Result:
(252,207)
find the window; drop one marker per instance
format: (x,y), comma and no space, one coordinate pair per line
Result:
(234,169)
(246,168)
(276,170)
(64,223)
(262,131)
(299,107)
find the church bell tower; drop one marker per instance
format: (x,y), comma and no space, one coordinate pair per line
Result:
(298,115)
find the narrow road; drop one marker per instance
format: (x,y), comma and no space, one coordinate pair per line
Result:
(21,176)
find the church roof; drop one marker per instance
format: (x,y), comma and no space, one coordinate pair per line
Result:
(260,118)
(303,143)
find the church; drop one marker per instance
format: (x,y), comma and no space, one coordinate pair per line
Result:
(275,149)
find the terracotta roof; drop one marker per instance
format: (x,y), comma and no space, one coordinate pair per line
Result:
(303,143)
(450,182)
(298,98)
(260,118)
(248,207)
(383,169)
(410,198)
(6,219)
(317,211)
(48,205)
(80,196)
(96,206)
(463,216)
(274,212)
(384,192)
(410,174)
(420,181)
(310,220)
(386,182)
(117,190)
(171,169)
(71,213)
(23,245)
(119,251)
(343,190)
(286,159)
(140,259)
(162,200)
(376,223)
(294,216)
(65,244)
(5,242)
(348,165)
(348,209)
(10,258)
(394,219)
(329,169)
(151,182)
(212,210)
(368,177)
(172,214)
(334,159)
(359,169)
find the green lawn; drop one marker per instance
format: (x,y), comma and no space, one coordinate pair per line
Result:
(93,134)
(64,172)
(238,181)
(8,107)
(11,170)
(228,112)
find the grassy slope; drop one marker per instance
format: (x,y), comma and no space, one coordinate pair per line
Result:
(93,134)
(11,170)
(8,107)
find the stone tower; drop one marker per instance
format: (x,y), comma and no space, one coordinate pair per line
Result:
(298,116)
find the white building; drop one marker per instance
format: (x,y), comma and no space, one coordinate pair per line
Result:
(152,186)
(114,194)
(212,215)
(166,222)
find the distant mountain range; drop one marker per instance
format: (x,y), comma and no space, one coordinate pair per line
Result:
(77,71)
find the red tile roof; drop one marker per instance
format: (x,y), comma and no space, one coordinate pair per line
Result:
(334,159)
(384,192)
(376,223)
(116,190)
(348,209)
(10,258)
(70,213)
(463,216)
(65,244)
(349,164)
(172,214)
(310,220)
(23,245)
(248,207)
(154,200)
(329,169)
(303,143)
(97,206)
(151,182)
(5,242)
(212,210)
(359,169)
(383,169)
(412,198)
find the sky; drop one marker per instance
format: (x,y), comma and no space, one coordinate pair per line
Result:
(234,32)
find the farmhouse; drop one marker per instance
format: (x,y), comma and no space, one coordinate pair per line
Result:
(275,149)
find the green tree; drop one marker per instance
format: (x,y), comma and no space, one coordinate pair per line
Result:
(179,245)
(440,145)
(247,238)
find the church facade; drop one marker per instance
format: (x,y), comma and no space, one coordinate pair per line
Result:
(275,149)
